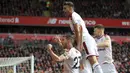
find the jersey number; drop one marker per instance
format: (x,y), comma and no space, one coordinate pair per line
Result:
(76,62)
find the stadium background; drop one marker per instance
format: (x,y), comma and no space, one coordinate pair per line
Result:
(26,27)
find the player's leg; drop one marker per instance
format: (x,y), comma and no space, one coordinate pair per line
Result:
(95,65)
(92,54)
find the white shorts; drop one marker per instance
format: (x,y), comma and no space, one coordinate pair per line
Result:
(90,49)
(108,68)
(90,46)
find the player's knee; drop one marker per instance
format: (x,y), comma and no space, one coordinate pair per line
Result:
(92,59)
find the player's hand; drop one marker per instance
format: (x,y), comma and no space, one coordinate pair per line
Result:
(49,46)
(66,50)
(80,47)
(81,67)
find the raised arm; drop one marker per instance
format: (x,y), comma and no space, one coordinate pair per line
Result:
(78,30)
(54,56)
(78,35)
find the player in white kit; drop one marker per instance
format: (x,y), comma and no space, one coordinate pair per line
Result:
(104,49)
(83,38)
(71,57)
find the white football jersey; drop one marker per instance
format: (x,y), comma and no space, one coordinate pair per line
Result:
(105,54)
(76,19)
(72,64)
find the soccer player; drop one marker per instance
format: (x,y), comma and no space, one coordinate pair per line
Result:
(83,37)
(71,57)
(104,49)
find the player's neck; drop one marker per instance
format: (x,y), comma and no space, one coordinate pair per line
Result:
(70,13)
(100,36)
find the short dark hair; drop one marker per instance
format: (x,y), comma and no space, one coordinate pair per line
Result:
(69,3)
(99,26)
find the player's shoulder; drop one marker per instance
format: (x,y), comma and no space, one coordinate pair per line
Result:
(74,14)
(107,36)
(74,50)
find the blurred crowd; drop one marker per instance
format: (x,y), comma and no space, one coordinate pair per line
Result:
(23,8)
(43,60)
(86,8)
(34,29)
(24,48)
(121,56)
(58,30)
(96,8)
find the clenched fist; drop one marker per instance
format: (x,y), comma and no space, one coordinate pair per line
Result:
(49,46)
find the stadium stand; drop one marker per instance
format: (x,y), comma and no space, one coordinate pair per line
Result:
(57,30)
(86,8)
(96,8)
(22,8)
(43,62)
(121,56)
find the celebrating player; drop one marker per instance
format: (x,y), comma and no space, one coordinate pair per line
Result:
(104,49)
(71,57)
(83,37)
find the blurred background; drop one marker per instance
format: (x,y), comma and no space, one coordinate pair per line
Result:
(27,26)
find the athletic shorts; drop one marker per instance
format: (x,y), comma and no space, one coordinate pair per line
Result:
(108,68)
(90,46)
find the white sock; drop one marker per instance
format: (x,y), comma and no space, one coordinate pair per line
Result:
(97,68)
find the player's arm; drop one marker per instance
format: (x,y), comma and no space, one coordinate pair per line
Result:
(78,31)
(53,55)
(105,43)
(78,35)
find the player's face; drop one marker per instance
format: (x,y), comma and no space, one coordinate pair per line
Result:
(98,32)
(66,9)
(64,42)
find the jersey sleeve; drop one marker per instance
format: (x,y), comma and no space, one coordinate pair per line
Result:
(76,18)
(107,37)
